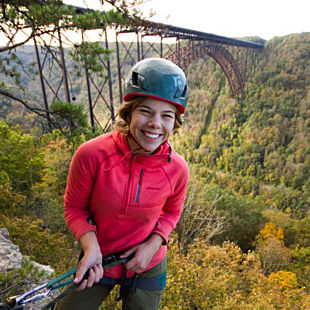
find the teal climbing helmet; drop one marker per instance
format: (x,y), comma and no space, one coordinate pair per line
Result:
(157,78)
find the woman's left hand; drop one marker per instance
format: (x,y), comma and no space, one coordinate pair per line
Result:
(143,253)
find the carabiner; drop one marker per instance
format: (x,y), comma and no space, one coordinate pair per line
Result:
(18,302)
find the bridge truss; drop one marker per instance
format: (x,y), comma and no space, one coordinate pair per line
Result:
(132,43)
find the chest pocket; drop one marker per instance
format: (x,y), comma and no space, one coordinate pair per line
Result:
(150,188)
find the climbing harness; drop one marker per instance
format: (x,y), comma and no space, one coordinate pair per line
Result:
(19,302)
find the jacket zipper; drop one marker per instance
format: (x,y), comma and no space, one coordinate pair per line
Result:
(139,185)
(128,185)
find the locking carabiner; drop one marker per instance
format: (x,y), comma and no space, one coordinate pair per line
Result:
(18,302)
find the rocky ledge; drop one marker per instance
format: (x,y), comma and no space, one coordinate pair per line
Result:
(11,259)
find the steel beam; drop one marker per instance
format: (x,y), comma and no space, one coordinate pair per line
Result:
(110,80)
(119,71)
(90,104)
(47,111)
(64,69)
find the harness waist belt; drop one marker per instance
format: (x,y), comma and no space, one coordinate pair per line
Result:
(155,283)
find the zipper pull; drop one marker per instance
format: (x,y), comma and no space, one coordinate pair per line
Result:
(140,185)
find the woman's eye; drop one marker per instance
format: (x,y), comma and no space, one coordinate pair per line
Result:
(145,111)
(167,116)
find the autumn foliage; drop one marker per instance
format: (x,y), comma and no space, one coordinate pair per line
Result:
(222,277)
(243,241)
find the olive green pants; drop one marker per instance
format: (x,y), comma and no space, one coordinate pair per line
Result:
(92,298)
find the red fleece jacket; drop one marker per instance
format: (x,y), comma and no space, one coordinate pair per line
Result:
(129,196)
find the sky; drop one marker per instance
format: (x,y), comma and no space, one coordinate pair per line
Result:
(230,18)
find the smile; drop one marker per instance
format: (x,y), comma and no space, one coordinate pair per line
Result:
(151,135)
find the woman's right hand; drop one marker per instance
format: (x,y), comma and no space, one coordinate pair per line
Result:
(91,262)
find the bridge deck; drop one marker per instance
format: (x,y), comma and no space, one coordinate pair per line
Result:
(153,28)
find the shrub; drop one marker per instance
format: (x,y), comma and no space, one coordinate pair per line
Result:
(283,279)
(17,281)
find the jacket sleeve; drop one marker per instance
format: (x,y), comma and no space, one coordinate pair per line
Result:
(79,186)
(173,206)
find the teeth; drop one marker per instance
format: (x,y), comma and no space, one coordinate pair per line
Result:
(151,135)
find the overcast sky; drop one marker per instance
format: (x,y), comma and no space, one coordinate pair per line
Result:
(231,18)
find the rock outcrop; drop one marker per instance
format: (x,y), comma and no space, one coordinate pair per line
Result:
(11,258)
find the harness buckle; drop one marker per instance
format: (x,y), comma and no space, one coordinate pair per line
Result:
(109,259)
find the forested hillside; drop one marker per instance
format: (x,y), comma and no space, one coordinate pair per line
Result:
(243,241)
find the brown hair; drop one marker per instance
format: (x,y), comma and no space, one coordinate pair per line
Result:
(126,110)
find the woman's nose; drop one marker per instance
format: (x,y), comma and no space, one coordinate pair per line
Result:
(155,121)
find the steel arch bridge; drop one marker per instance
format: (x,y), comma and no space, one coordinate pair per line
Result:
(231,54)
(147,39)
(220,55)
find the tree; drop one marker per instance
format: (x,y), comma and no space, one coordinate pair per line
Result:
(243,217)
(23,21)
(271,250)
(35,18)
(19,158)
(200,217)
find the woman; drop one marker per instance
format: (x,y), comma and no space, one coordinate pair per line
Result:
(132,184)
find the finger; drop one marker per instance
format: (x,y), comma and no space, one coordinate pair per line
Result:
(128,252)
(132,265)
(81,286)
(80,273)
(137,264)
(91,278)
(101,270)
(135,268)
(98,272)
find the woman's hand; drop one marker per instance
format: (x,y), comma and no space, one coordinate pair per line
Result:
(91,262)
(143,253)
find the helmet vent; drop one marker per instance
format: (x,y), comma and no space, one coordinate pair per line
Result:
(184,92)
(138,80)
(180,93)
(134,79)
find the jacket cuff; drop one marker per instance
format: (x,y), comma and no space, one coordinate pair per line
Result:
(82,230)
(160,233)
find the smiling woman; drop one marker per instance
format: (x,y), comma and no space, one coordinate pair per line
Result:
(133,185)
(151,124)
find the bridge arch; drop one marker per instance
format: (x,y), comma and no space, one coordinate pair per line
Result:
(187,54)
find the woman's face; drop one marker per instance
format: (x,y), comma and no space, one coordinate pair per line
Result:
(152,122)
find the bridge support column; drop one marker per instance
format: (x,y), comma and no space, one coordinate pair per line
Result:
(64,69)
(110,79)
(138,45)
(161,45)
(90,104)
(119,70)
(47,111)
